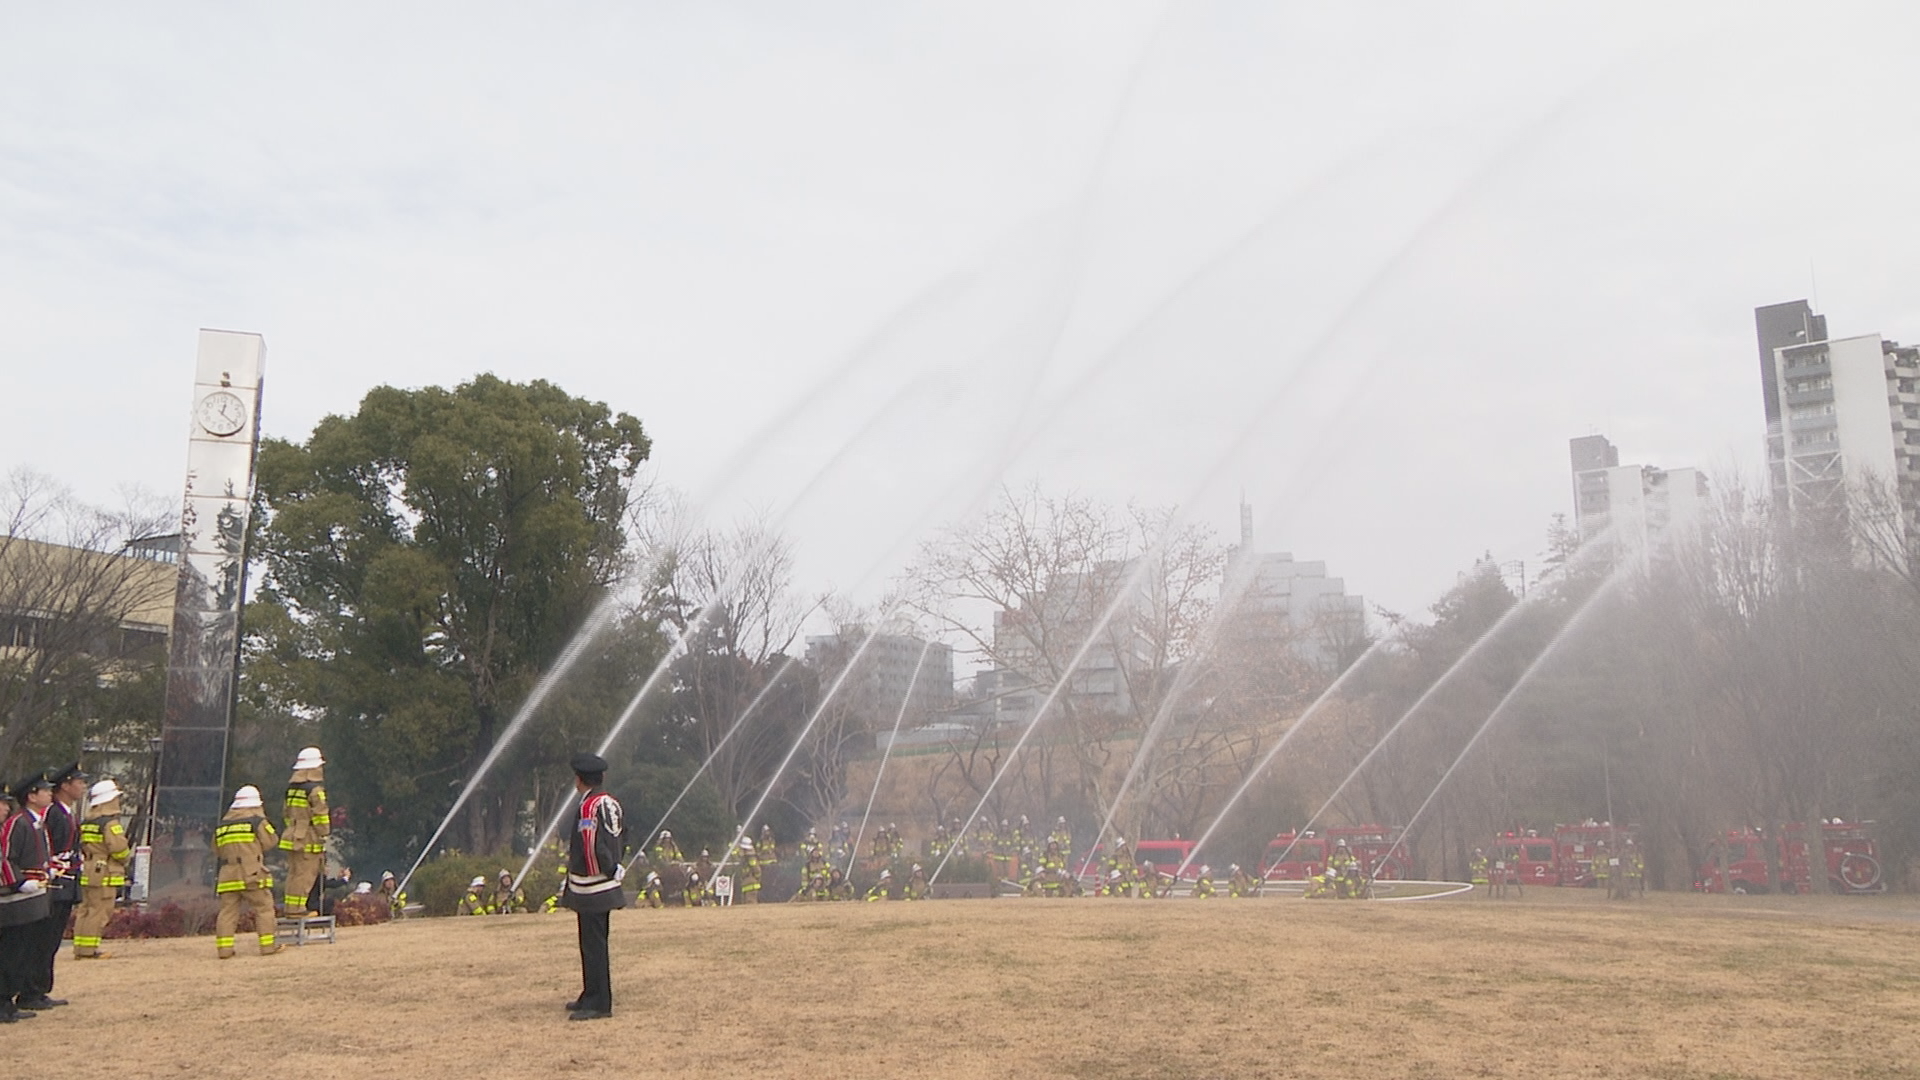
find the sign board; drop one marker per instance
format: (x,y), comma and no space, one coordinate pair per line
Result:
(723,889)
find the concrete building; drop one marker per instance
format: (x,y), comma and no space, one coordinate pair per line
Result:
(1843,419)
(1031,644)
(882,680)
(1325,625)
(1645,512)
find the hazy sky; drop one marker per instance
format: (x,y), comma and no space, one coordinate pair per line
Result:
(854,265)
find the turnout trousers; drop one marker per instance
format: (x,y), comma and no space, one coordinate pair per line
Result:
(303,869)
(260,902)
(596,978)
(96,911)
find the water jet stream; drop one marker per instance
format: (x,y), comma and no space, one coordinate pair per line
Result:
(1419,703)
(880,770)
(1566,630)
(738,723)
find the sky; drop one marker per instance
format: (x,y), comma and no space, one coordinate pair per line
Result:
(856,267)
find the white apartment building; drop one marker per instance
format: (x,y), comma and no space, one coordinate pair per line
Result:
(1850,420)
(1647,513)
(1325,626)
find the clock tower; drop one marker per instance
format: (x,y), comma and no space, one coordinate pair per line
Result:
(204,645)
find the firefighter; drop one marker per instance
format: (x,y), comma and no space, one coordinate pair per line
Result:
(940,843)
(475,901)
(838,887)
(748,891)
(810,847)
(104,852)
(878,848)
(1602,869)
(1053,870)
(650,891)
(896,845)
(984,841)
(1477,869)
(703,869)
(1321,885)
(879,890)
(240,843)
(840,842)
(1346,871)
(1203,886)
(1120,857)
(665,849)
(916,884)
(1239,882)
(769,853)
(390,888)
(1633,868)
(1061,834)
(508,900)
(308,824)
(1149,882)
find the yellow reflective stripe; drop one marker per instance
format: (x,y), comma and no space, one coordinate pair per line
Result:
(322,818)
(296,797)
(85,940)
(266,940)
(223,942)
(230,886)
(92,833)
(286,845)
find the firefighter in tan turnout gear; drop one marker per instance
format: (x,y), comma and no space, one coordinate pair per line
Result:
(104,852)
(241,842)
(307,826)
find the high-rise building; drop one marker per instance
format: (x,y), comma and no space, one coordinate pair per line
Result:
(1843,418)
(891,673)
(1324,625)
(1644,511)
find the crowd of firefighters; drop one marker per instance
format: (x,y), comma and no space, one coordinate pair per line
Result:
(1618,873)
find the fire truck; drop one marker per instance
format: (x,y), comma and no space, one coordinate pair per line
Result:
(1295,856)
(1575,846)
(1531,859)
(1853,861)
(1379,850)
(1167,856)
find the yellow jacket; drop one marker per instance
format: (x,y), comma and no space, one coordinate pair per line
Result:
(241,842)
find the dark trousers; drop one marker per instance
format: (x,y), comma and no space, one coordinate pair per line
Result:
(53,930)
(19,957)
(596,980)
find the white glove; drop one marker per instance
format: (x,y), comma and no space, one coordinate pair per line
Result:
(620,873)
(31,887)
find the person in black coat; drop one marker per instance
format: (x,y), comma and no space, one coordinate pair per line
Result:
(63,881)
(23,894)
(596,855)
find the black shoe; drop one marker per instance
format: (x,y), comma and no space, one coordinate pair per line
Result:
(590,1014)
(11,1015)
(37,1004)
(574,1005)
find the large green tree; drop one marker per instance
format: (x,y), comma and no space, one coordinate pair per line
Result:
(427,559)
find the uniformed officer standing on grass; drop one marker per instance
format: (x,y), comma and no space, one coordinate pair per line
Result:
(596,853)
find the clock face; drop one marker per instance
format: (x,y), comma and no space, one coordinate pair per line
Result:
(221,413)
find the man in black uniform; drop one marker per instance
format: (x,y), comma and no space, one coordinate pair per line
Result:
(596,853)
(23,894)
(63,868)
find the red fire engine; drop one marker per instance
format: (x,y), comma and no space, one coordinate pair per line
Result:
(1531,859)
(1575,846)
(1295,856)
(1853,862)
(1379,850)
(1166,857)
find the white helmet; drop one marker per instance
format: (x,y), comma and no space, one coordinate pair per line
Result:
(1061,820)
(1231,867)
(103,792)
(746,843)
(477,883)
(885,874)
(363,888)
(666,834)
(916,868)
(247,798)
(386,875)
(1205,869)
(308,759)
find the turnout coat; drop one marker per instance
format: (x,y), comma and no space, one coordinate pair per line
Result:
(594,854)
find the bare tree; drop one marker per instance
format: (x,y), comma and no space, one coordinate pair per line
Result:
(79,607)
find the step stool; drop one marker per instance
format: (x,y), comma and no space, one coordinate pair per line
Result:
(312,928)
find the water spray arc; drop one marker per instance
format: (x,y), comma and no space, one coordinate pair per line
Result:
(1332,691)
(597,621)
(1566,631)
(1534,596)
(880,770)
(739,722)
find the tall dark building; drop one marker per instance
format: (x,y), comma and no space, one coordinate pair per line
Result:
(1778,326)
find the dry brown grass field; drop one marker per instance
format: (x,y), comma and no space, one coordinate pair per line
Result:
(1558,984)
